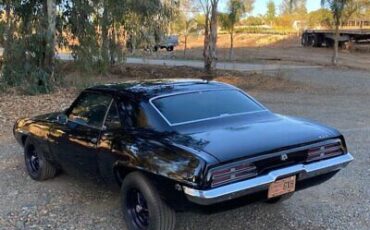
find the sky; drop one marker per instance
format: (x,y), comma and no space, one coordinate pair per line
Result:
(260,5)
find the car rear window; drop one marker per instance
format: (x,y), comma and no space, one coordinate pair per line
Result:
(195,106)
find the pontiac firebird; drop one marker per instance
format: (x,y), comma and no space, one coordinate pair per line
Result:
(172,142)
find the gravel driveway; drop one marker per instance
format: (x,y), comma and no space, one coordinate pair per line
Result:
(343,101)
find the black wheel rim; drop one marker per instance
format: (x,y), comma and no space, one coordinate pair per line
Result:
(33,161)
(138,209)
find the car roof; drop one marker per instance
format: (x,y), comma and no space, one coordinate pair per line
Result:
(153,88)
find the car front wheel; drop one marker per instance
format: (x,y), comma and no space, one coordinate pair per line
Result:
(142,206)
(38,167)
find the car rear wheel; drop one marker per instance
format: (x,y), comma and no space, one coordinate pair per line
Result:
(142,206)
(38,167)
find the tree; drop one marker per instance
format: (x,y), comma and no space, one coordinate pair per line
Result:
(51,31)
(236,8)
(293,6)
(200,21)
(146,22)
(209,8)
(185,26)
(337,8)
(358,10)
(320,17)
(271,12)
(185,22)
(253,21)
(29,45)
(96,32)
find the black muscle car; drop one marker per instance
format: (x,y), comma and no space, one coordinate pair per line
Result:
(175,142)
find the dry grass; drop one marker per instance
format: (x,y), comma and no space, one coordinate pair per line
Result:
(246,81)
(240,40)
(264,48)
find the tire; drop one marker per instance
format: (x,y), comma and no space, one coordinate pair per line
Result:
(142,206)
(279,199)
(304,40)
(329,43)
(317,41)
(170,48)
(38,167)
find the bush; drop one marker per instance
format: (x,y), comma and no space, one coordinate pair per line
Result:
(22,67)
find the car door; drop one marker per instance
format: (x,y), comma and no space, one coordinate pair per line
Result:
(75,143)
(113,134)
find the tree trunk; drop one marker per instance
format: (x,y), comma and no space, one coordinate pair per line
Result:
(336,43)
(213,35)
(185,44)
(210,38)
(6,61)
(231,52)
(206,43)
(8,32)
(104,31)
(50,46)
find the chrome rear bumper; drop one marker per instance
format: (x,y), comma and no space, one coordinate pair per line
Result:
(234,190)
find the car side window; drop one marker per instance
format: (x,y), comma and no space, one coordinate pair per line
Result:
(90,109)
(113,120)
(132,114)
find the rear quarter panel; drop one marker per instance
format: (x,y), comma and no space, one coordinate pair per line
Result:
(150,155)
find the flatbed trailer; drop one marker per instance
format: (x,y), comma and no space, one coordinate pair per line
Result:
(318,38)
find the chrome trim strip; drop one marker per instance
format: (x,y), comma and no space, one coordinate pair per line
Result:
(234,190)
(263,108)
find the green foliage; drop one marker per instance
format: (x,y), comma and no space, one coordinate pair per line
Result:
(293,7)
(96,31)
(25,47)
(321,17)
(357,9)
(146,22)
(253,21)
(185,25)
(337,8)
(271,11)
(26,74)
(235,10)
(77,21)
(200,21)
(225,22)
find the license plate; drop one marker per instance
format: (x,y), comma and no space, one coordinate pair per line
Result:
(281,187)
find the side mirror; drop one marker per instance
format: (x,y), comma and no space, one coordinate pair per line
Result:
(62,119)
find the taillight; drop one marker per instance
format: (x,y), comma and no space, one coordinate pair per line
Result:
(325,151)
(235,172)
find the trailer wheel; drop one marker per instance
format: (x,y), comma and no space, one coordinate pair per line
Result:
(310,41)
(316,41)
(304,40)
(329,43)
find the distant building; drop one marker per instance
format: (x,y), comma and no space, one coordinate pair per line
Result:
(299,25)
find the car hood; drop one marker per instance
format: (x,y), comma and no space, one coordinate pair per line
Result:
(258,136)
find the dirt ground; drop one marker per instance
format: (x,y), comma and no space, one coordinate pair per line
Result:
(264,48)
(337,97)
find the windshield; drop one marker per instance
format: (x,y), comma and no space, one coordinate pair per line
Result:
(195,106)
